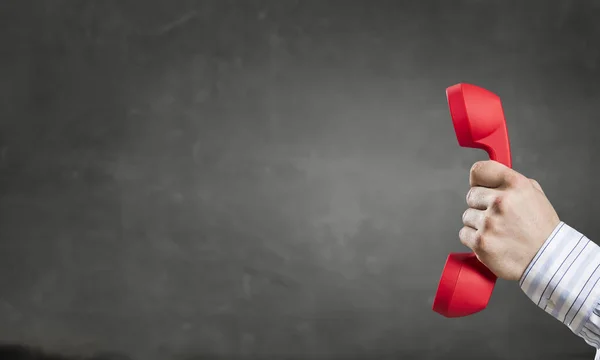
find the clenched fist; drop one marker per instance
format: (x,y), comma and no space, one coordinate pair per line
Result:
(508,219)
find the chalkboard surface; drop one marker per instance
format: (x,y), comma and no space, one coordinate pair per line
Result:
(275,179)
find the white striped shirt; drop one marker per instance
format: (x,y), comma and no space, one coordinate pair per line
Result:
(563,279)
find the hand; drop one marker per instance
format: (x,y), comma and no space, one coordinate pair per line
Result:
(508,220)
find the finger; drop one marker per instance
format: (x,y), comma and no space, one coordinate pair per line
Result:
(490,174)
(481,198)
(474,219)
(536,185)
(467,236)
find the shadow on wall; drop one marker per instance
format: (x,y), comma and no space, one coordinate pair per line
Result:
(21,352)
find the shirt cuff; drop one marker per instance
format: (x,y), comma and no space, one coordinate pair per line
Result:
(563,277)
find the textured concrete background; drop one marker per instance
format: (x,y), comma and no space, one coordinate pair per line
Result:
(275,179)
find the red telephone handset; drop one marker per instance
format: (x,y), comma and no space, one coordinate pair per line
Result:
(466,285)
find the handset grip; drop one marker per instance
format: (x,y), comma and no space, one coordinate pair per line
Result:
(497,146)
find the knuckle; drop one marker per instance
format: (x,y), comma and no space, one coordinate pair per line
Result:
(499,203)
(488,222)
(536,185)
(516,180)
(510,179)
(480,242)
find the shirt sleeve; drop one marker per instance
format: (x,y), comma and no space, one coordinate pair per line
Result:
(563,279)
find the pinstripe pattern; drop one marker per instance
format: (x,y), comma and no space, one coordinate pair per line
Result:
(563,279)
(561,271)
(574,280)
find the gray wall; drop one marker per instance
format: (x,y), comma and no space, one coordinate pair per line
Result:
(275,179)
